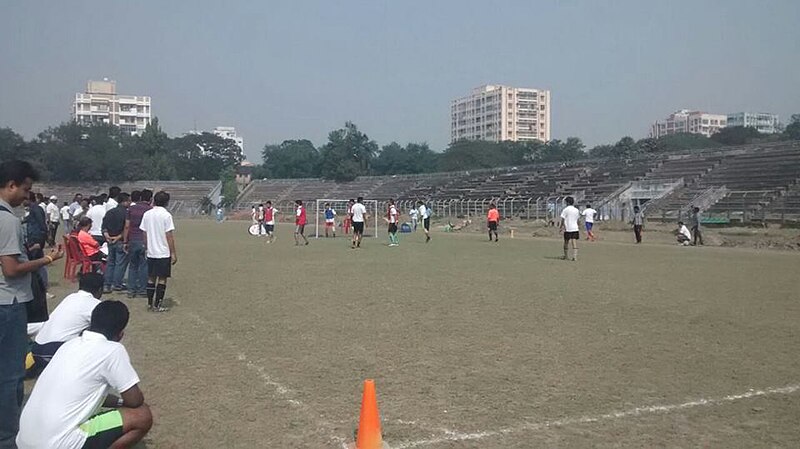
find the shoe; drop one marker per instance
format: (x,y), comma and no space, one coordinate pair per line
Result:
(160,309)
(393,244)
(107,289)
(49,295)
(427,238)
(306,243)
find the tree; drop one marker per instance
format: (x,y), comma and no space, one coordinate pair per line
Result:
(792,130)
(205,156)
(10,144)
(557,151)
(413,158)
(735,135)
(290,159)
(348,154)
(685,141)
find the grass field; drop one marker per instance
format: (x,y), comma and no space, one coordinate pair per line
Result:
(472,344)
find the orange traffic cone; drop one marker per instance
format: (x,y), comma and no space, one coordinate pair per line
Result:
(369,424)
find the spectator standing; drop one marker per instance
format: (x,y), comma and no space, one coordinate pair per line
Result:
(114,233)
(158,228)
(696,219)
(66,218)
(111,203)
(97,212)
(53,220)
(16,180)
(137,258)
(36,234)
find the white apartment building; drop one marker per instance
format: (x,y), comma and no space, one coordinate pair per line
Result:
(764,122)
(229,132)
(686,121)
(101,104)
(497,113)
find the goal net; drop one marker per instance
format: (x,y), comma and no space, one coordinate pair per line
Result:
(340,208)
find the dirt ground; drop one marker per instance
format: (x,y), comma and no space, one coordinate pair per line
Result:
(472,344)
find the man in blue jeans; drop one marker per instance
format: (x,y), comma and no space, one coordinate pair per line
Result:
(16,180)
(134,238)
(113,232)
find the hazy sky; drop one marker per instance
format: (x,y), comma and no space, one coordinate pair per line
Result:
(298,69)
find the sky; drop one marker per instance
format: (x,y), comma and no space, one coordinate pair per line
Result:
(299,69)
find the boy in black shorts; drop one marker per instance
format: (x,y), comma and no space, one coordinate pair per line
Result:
(569,226)
(158,228)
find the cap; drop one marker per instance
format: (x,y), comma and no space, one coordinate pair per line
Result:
(53,197)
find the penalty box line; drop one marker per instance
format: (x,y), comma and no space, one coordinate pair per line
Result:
(451,436)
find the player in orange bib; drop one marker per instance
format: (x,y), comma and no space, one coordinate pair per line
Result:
(492,219)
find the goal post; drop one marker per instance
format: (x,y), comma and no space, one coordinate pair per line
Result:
(340,206)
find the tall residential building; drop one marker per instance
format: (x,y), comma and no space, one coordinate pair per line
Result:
(229,132)
(764,122)
(101,104)
(686,121)
(497,113)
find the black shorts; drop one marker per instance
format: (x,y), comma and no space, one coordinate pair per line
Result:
(269,228)
(102,430)
(492,225)
(358,227)
(392,228)
(426,223)
(575,235)
(159,268)
(299,229)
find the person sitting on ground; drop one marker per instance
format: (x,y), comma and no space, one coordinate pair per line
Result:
(68,320)
(683,234)
(63,411)
(88,244)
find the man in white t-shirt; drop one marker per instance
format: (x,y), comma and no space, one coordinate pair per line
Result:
(113,193)
(66,218)
(53,219)
(97,212)
(588,221)
(569,226)
(684,235)
(158,228)
(358,215)
(425,216)
(68,320)
(64,408)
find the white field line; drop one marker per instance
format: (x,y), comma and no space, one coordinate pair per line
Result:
(450,436)
(281,391)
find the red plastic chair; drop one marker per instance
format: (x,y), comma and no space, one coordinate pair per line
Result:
(71,263)
(87,265)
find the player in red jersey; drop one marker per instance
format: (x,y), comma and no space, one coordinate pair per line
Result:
(300,223)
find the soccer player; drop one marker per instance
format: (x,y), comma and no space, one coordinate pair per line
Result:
(260,220)
(638,223)
(425,216)
(392,217)
(330,220)
(492,219)
(64,410)
(569,226)
(348,221)
(413,214)
(300,223)
(358,214)
(158,229)
(588,221)
(269,221)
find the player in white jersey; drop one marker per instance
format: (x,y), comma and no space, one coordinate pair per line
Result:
(588,221)
(569,226)
(392,217)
